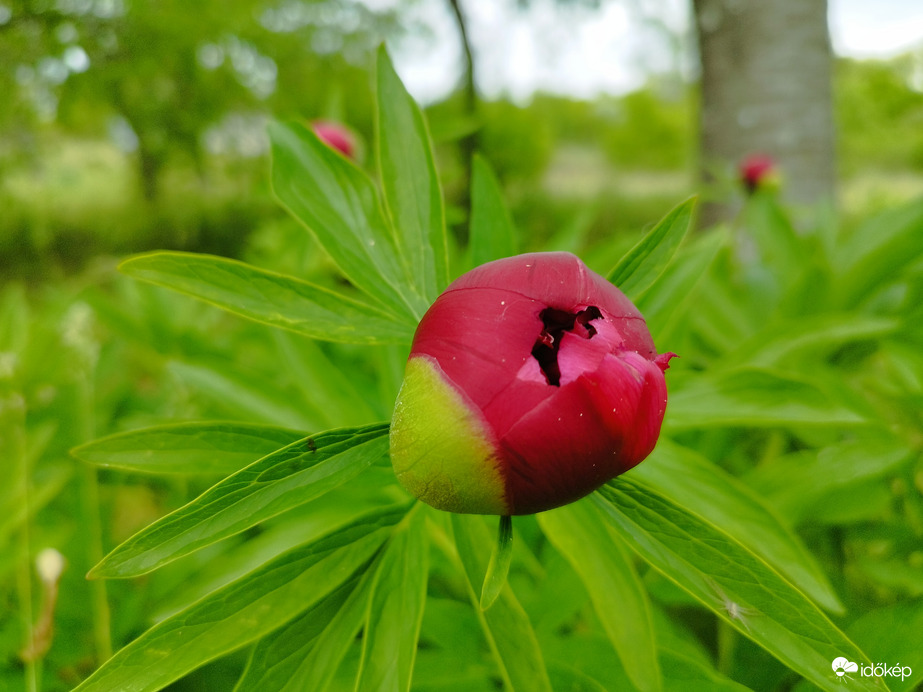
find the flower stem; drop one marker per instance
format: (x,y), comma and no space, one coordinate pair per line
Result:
(499,566)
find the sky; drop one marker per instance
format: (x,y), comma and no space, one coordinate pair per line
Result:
(584,53)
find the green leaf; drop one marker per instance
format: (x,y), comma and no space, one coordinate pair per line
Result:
(729,580)
(667,300)
(286,478)
(754,397)
(778,244)
(566,677)
(892,634)
(700,486)
(646,261)
(579,531)
(396,610)
(306,652)
(499,566)
(681,672)
(213,567)
(21,502)
(244,610)
(335,394)
(270,298)
(492,235)
(506,624)
(190,448)
(798,485)
(812,336)
(876,253)
(245,397)
(297,657)
(339,204)
(411,184)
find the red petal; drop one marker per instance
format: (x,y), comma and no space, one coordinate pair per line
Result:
(481,338)
(588,432)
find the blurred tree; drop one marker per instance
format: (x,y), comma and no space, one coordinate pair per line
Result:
(158,74)
(766,88)
(880,113)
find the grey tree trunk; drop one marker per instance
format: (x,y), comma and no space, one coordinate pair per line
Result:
(766,88)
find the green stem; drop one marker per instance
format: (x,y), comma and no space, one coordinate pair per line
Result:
(92,523)
(499,566)
(15,406)
(727,643)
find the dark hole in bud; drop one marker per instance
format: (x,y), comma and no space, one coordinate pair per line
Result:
(555,322)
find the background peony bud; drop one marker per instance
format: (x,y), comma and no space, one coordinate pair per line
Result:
(531,382)
(337,136)
(758,171)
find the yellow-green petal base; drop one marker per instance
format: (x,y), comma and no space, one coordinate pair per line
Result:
(441,449)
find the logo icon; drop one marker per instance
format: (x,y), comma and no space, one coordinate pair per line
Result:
(841,666)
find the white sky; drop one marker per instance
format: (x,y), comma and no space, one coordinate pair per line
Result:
(587,52)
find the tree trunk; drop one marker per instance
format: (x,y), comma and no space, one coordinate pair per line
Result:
(766,88)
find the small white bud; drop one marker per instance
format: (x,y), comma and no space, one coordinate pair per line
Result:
(49,563)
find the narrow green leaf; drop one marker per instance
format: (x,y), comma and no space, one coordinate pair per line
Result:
(244,610)
(754,397)
(876,253)
(892,634)
(798,485)
(506,624)
(566,677)
(336,394)
(729,580)
(411,184)
(700,486)
(284,479)
(296,657)
(339,204)
(589,651)
(15,508)
(646,261)
(579,531)
(240,396)
(681,672)
(275,660)
(499,566)
(778,245)
(492,235)
(782,341)
(213,567)
(667,300)
(193,448)
(306,652)
(270,298)
(396,610)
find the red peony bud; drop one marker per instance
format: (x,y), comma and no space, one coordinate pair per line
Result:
(758,171)
(531,382)
(335,135)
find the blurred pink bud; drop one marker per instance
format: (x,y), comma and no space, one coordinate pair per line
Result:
(758,171)
(531,382)
(336,136)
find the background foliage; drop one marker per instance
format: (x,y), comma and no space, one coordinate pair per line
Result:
(235,542)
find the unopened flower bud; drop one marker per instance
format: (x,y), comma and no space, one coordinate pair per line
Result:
(531,382)
(336,136)
(759,172)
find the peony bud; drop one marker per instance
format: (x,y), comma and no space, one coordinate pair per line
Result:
(531,382)
(758,172)
(336,136)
